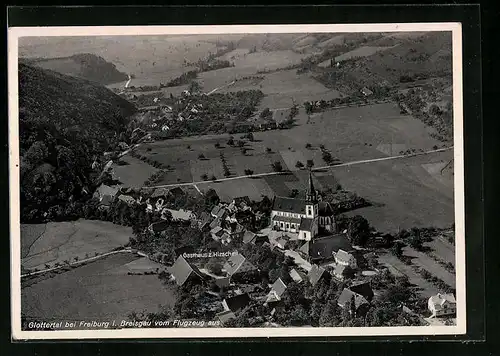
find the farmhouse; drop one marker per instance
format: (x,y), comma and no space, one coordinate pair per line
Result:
(442,304)
(105,194)
(344,258)
(183,271)
(364,289)
(126,199)
(366,92)
(296,276)
(182,215)
(277,290)
(301,216)
(360,305)
(315,274)
(204,220)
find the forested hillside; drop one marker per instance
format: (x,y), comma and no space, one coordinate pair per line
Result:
(83,65)
(64,123)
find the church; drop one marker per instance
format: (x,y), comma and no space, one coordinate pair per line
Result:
(306,217)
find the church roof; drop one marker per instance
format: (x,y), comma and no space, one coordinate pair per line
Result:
(306,224)
(290,205)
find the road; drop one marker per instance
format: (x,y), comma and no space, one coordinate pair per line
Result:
(218,88)
(128,250)
(353,163)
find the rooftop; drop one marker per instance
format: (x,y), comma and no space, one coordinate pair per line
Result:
(291,205)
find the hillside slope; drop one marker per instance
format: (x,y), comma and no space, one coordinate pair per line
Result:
(84,65)
(64,123)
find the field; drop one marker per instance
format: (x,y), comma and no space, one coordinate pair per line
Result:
(100,291)
(62,241)
(426,289)
(135,173)
(408,192)
(407,199)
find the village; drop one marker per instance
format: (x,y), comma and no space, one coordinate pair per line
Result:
(272,266)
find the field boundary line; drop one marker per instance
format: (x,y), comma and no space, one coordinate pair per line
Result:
(313,169)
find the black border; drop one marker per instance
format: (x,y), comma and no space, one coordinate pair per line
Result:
(469,17)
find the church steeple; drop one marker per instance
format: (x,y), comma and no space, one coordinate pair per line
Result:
(311,195)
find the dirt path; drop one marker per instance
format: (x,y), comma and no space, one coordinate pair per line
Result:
(128,250)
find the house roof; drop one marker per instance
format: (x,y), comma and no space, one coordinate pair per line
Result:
(126,198)
(315,274)
(218,231)
(249,237)
(364,289)
(343,256)
(306,224)
(237,302)
(279,287)
(182,269)
(107,190)
(295,275)
(325,209)
(217,222)
(106,200)
(287,219)
(215,210)
(181,214)
(281,242)
(339,270)
(225,316)
(205,218)
(290,205)
(324,247)
(234,263)
(346,297)
(366,91)
(440,299)
(222,282)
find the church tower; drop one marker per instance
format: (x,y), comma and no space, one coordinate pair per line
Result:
(311,199)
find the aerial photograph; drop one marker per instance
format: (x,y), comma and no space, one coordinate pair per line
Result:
(255,180)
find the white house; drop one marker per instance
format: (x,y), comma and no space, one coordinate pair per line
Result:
(442,304)
(344,258)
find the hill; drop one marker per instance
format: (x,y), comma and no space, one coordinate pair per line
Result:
(84,65)
(408,58)
(64,124)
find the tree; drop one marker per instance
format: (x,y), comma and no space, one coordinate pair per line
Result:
(397,248)
(248,172)
(310,163)
(204,176)
(294,193)
(217,145)
(266,113)
(230,142)
(37,153)
(308,145)
(214,266)
(277,166)
(268,150)
(194,87)
(243,151)
(358,230)
(213,178)
(241,143)
(250,136)
(299,165)
(201,156)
